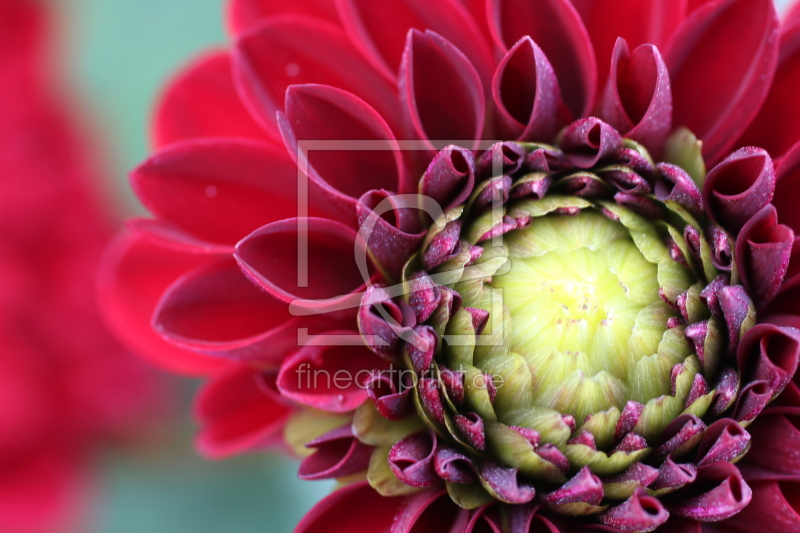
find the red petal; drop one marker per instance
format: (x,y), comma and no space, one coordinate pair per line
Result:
(337,454)
(652,22)
(637,100)
(777,128)
(787,188)
(356,507)
(296,51)
(238,414)
(167,235)
(216,310)
(379,29)
(450,109)
(792,15)
(762,254)
(430,512)
(774,509)
(341,171)
(330,378)
(527,95)
(201,101)
(133,275)
(721,61)
(557,28)
(218,189)
(243,14)
(774,433)
(270,257)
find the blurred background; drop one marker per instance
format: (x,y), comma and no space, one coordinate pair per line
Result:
(114,56)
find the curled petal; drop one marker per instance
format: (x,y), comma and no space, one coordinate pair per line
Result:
(503,483)
(393,397)
(421,353)
(350,152)
(557,28)
(763,249)
(770,353)
(584,487)
(724,440)
(411,460)
(185,110)
(381,321)
(331,378)
(388,244)
(737,189)
(637,100)
(527,95)
(424,296)
(589,141)
(453,466)
(721,61)
(337,453)
(680,434)
(639,513)
(450,177)
(238,413)
(719,493)
(428,512)
(269,57)
(471,427)
(628,419)
(673,476)
(676,185)
(752,400)
(787,187)
(452,108)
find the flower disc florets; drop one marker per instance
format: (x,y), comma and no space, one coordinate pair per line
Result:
(570,333)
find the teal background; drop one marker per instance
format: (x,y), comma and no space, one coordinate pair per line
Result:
(116,54)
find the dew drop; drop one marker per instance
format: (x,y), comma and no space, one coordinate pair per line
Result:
(292,70)
(211,191)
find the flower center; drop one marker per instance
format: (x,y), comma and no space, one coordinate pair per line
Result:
(584,310)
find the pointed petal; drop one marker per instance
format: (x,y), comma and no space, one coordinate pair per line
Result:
(218,190)
(318,123)
(719,493)
(337,454)
(637,22)
(637,100)
(356,507)
(270,57)
(243,14)
(721,61)
(132,276)
(216,310)
(639,513)
(776,127)
(450,177)
(270,257)
(527,95)
(237,414)
(379,29)
(330,378)
(201,101)
(557,28)
(452,108)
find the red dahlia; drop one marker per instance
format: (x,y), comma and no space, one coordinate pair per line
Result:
(496,266)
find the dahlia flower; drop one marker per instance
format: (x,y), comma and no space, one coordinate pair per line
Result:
(66,386)
(510,266)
